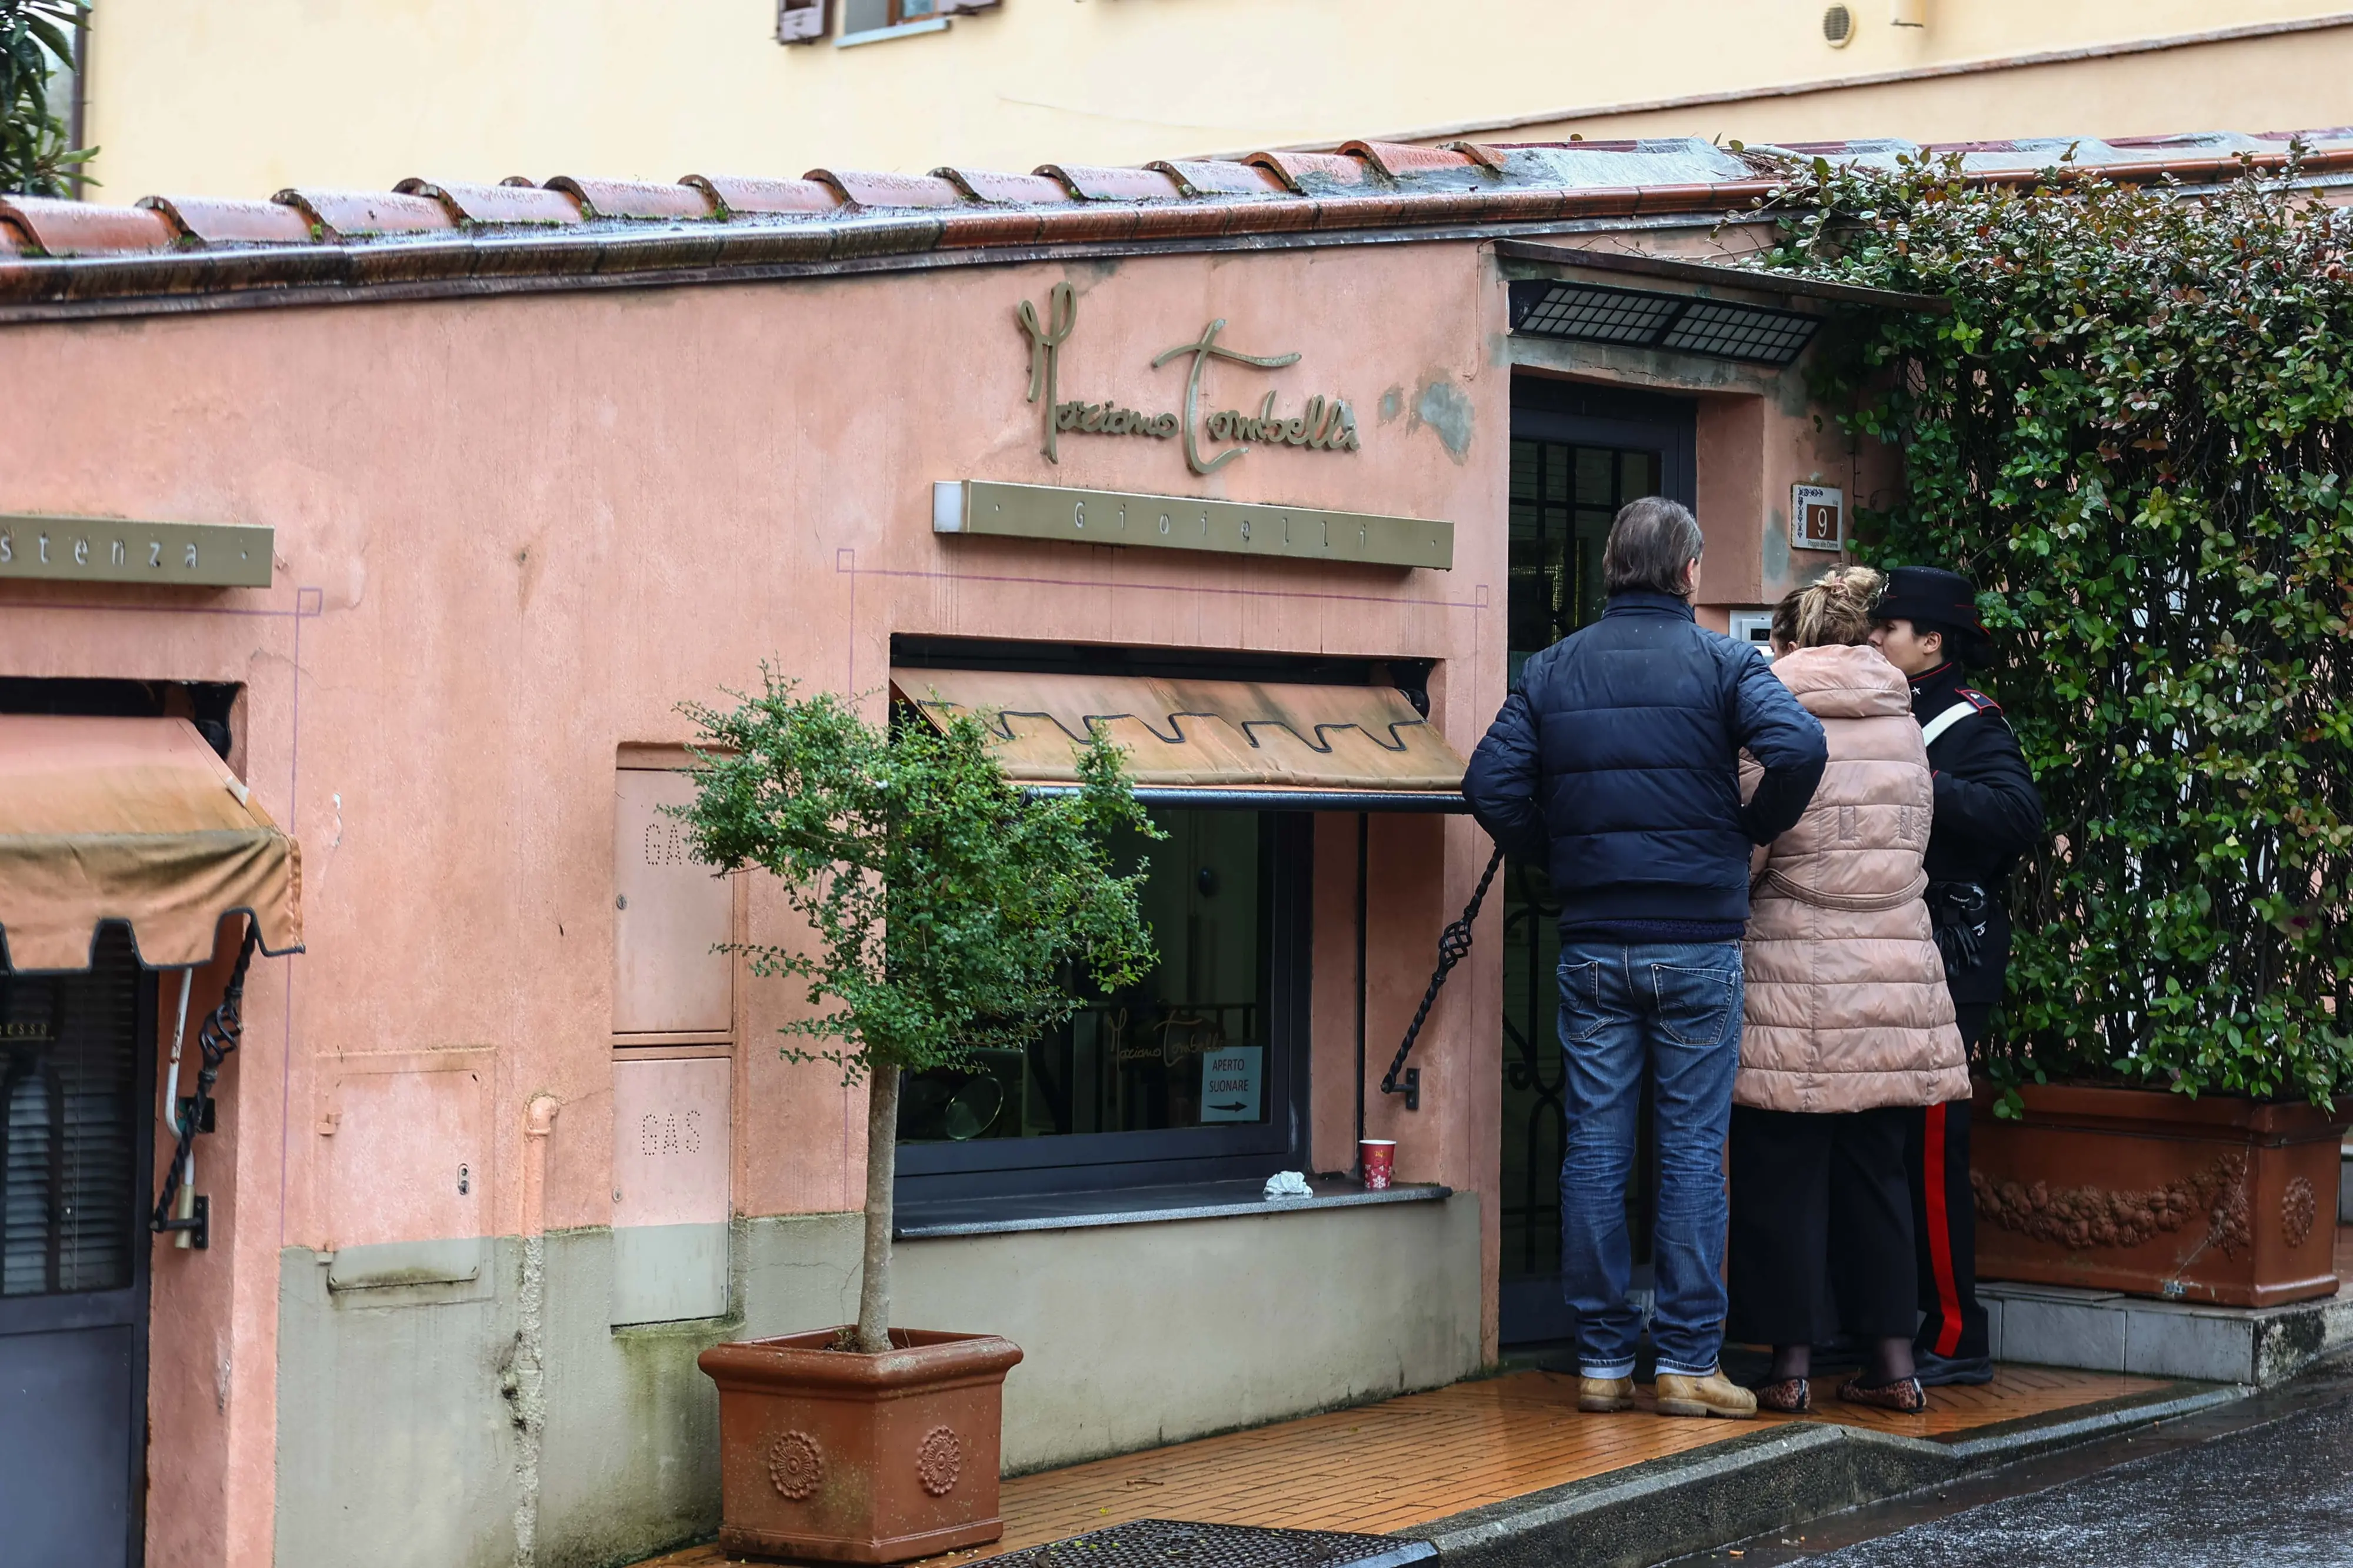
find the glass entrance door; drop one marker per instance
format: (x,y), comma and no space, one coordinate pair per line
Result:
(1572,467)
(74,1142)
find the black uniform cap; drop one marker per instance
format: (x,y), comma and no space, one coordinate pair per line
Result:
(1935,600)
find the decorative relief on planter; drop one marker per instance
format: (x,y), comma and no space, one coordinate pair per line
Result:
(2298,1208)
(2083,1217)
(939,1461)
(796,1465)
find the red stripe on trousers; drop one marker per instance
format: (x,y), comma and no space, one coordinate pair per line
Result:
(1940,1234)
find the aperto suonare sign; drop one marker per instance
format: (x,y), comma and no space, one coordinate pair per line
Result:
(119,550)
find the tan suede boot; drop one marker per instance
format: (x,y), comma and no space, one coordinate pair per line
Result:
(1600,1396)
(1711,1395)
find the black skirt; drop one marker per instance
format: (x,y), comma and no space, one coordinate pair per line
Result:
(1822,1226)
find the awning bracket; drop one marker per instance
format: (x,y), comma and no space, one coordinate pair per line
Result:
(222,1030)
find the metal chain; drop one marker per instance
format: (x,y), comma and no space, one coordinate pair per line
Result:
(1453,946)
(217,1037)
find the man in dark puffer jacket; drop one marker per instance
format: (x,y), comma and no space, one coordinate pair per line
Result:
(1616,762)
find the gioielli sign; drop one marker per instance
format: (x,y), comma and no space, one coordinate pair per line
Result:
(117,550)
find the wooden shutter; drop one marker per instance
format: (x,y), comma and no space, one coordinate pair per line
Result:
(800,21)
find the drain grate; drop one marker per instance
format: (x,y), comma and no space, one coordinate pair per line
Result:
(1172,1543)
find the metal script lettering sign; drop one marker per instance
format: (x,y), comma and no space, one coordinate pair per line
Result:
(115,550)
(1189,522)
(1322,425)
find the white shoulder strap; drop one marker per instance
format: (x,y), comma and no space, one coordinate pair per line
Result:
(1946,721)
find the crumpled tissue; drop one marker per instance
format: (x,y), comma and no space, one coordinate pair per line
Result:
(1288,1184)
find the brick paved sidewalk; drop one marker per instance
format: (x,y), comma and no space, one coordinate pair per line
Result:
(1391,1466)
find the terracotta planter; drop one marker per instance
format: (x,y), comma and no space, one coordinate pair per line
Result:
(844,1458)
(2154,1194)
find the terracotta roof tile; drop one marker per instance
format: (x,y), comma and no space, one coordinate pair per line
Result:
(1101,183)
(636,198)
(470,203)
(66,254)
(1486,155)
(874,188)
(222,220)
(989,185)
(1217,177)
(752,194)
(1310,170)
(362,214)
(1403,161)
(1098,223)
(84,229)
(976,227)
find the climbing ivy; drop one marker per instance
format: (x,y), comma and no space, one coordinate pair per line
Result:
(2133,429)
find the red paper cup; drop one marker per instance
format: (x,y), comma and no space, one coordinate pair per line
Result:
(1376,1157)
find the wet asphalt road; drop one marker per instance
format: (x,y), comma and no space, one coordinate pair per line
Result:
(2274,1495)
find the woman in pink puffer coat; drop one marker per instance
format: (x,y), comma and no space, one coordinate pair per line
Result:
(1849,1025)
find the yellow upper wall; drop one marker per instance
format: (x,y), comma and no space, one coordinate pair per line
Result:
(243,99)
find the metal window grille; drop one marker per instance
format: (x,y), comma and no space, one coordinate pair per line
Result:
(1720,329)
(1740,332)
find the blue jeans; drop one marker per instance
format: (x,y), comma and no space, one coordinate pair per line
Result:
(1671,1009)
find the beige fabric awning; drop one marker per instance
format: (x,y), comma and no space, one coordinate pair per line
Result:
(135,820)
(1220,735)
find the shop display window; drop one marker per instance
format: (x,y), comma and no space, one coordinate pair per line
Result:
(1187,1074)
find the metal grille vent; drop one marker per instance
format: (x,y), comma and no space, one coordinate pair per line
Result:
(1838,27)
(1170,1543)
(1720,329)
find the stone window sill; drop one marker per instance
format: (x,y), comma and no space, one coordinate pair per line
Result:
(882,35)
(1136,1205)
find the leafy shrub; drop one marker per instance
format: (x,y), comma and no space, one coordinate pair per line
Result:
(944,907)
(2134,430)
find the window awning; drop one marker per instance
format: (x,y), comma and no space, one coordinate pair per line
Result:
(135,820)
(1231,742)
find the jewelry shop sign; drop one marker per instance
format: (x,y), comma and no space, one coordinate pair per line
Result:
(117,550)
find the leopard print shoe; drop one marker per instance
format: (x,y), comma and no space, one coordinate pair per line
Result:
(1904,1395)
(1791,1396)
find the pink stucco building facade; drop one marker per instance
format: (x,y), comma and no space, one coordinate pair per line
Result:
(507,1145)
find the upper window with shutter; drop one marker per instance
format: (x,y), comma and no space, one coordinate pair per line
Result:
(800,21)
(805,21)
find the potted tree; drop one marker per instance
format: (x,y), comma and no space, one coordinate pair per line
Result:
(2129,424)
(946,914)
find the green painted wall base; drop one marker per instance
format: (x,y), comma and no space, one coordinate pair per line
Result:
(499,1420)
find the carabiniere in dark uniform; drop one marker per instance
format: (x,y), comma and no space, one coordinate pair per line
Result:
(1987,814)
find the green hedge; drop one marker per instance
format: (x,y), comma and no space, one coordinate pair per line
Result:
(2134,430)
